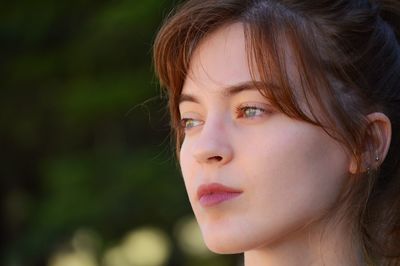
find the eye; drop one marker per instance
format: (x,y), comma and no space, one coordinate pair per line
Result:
(250,111)
(188,123)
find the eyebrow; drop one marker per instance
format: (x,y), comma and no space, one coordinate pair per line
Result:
(228,91)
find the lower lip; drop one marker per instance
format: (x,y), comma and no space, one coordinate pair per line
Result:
(217,198)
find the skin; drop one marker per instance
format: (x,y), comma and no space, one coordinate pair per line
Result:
(290,172)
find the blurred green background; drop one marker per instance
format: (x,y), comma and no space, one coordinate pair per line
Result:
(88,177)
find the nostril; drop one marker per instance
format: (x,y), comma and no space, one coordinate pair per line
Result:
(216,158)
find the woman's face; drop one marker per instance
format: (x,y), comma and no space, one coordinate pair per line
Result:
(254,176)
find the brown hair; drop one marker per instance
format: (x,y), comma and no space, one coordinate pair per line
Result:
(348,59)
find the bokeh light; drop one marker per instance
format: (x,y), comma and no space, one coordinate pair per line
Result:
(73,258)
(80,251)
(86,240)
(142,247)
(189,237)
(114,257)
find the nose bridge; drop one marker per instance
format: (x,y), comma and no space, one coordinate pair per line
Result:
(213,144)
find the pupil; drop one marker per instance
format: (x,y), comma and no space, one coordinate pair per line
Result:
(189,123)
(251,112)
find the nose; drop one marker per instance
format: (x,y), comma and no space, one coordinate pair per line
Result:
(213,145)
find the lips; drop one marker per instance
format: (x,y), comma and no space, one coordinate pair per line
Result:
(215,193)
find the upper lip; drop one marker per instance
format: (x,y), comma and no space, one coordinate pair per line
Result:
(215,188)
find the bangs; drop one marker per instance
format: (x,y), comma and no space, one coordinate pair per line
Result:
(327,63)
(286,64)
(285,54)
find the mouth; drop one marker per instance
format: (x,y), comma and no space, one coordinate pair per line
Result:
(215,193)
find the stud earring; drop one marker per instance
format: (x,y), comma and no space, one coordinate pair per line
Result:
(377,158)
(368,170)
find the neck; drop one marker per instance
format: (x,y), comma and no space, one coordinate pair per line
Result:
(318,244)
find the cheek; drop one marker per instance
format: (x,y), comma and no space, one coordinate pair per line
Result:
(298,172)
(291,174)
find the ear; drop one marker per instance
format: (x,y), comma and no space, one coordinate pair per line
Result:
(377,136)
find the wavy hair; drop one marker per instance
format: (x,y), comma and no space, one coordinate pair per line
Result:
(348,58)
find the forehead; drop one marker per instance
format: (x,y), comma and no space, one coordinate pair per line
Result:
(219,61)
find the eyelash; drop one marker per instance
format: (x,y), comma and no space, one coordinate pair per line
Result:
(239,110)
(185,120)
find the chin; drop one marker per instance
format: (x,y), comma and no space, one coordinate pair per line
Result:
(230,238)
(223,247)
(225,241)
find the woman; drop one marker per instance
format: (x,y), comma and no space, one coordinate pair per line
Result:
(286,116)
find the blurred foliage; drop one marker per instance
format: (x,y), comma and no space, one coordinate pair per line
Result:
(84,131)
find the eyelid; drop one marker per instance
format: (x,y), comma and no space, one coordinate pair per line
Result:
(264,108)
(184,126)
(190,116)
(197,121)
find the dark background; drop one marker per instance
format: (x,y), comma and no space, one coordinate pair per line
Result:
(86,160)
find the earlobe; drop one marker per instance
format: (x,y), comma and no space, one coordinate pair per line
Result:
(376,142)
(381,136)
(353,166)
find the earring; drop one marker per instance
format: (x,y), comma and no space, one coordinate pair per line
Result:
(377,158)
